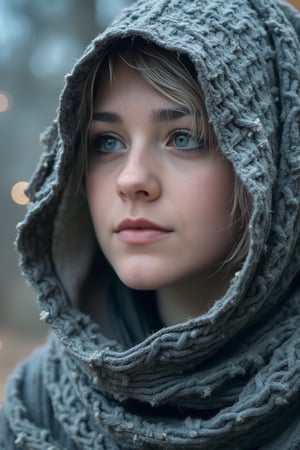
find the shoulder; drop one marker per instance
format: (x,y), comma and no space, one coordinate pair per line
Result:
(26,407)
(27,418)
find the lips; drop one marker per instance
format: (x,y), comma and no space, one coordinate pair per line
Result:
(140,231)
(139,224)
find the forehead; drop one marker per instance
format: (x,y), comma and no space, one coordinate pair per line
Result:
(123,84)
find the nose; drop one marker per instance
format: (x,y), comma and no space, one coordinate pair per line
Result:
(139,177)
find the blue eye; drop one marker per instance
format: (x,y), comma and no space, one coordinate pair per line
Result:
(184,140)
(106,143)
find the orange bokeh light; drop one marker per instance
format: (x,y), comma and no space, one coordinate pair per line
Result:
(17,193)
(5,101)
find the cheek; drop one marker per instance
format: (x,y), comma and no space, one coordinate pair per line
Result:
(210,195)
(206,212)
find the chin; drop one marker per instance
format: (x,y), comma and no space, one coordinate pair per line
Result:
(144,281)
(139,285)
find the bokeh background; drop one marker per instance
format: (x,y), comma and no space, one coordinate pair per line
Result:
(40,41)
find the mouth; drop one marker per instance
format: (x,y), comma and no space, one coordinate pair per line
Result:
(140,231)
(139,224)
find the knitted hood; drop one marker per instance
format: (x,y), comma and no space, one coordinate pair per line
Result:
(240,360)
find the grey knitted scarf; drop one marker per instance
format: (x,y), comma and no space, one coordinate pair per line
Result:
(229,379)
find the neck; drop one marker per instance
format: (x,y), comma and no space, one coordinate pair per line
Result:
(191,298)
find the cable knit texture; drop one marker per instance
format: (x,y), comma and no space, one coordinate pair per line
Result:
(234,372)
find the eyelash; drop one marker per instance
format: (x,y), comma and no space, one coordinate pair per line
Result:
(198,144)
(98,140)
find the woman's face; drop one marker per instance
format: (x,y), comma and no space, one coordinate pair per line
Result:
(159,199)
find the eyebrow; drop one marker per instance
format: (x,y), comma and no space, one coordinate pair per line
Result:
(107,117)
(158,115)
(170,114)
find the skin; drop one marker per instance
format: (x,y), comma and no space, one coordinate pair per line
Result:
(145,165)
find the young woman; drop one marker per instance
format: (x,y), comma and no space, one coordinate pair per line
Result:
(162,238)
